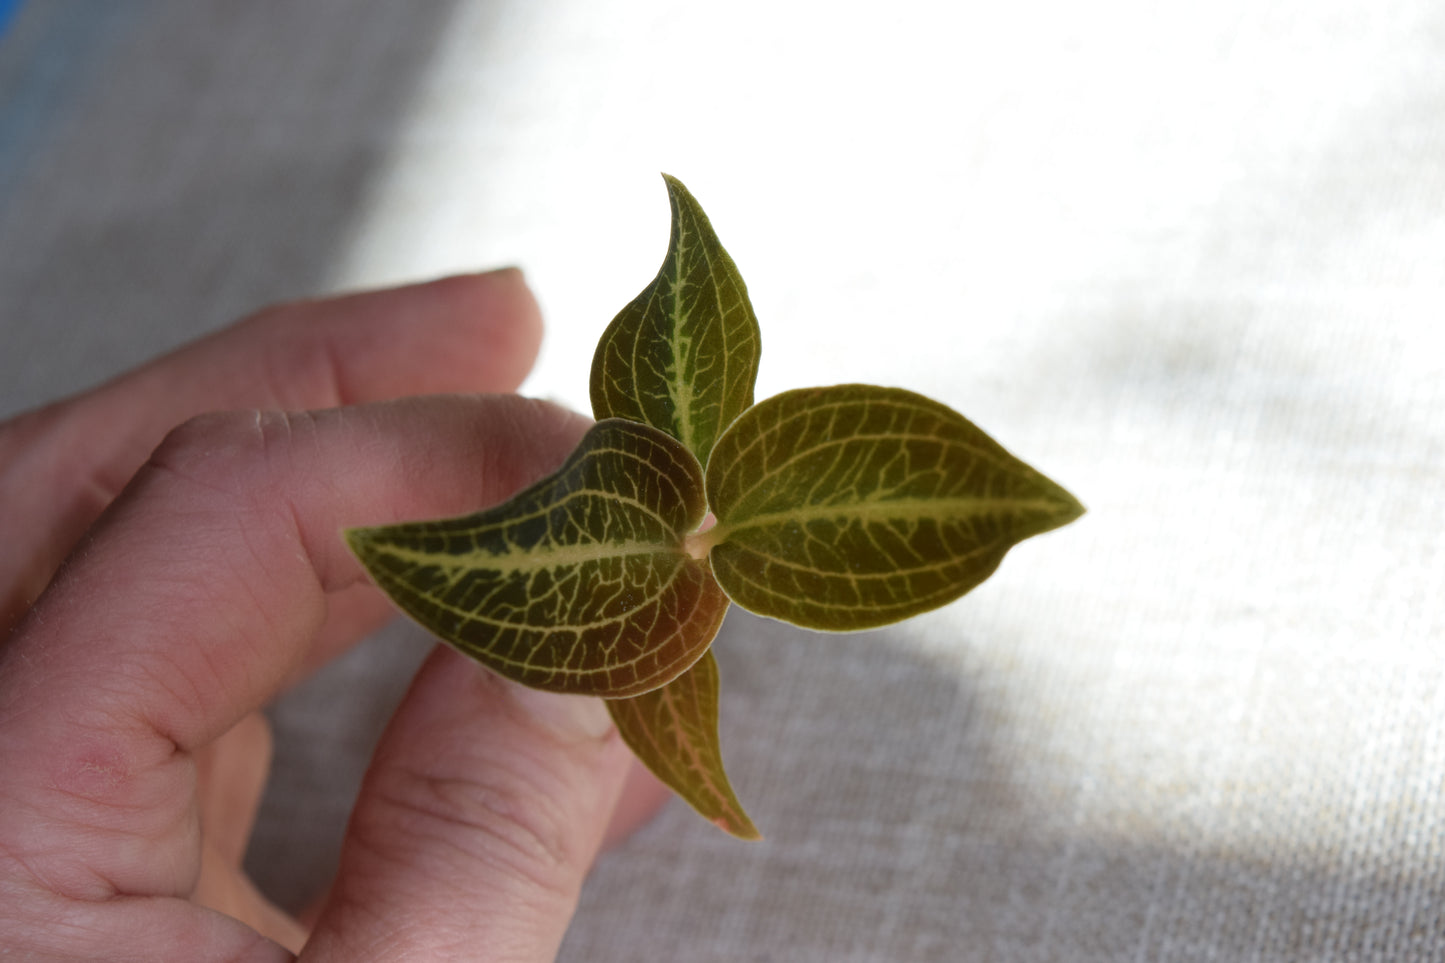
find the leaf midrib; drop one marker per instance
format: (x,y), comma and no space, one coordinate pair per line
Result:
(681,386)
(529,559)
(947,509)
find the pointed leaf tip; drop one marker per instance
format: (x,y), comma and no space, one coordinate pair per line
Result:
(674,731)
(683,355)
(856,506)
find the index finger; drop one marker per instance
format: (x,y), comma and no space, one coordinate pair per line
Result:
(61,465)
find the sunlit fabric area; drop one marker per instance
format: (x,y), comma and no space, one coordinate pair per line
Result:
(1187,260)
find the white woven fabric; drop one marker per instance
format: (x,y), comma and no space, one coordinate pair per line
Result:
(1189,260)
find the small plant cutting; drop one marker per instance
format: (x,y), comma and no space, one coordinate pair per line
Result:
(838,509)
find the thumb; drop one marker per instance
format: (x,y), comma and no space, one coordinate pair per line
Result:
(483,810)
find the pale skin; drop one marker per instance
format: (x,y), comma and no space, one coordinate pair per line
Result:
(165,573)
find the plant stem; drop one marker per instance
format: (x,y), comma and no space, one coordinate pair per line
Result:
(700,542)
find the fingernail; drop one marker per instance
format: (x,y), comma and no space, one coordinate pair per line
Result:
(570,716)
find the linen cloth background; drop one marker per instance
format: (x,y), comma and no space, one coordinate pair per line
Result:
(1188,259)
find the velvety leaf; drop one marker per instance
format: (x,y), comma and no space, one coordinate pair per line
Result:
(683,355)
(578,584)
(673,730)
(855,506)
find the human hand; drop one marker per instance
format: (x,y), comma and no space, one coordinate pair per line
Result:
(205,577)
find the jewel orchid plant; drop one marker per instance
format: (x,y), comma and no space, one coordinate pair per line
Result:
(837,509)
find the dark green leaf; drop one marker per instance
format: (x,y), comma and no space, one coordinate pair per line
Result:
(854,506)
(683,355)
(580,583)
(673,730)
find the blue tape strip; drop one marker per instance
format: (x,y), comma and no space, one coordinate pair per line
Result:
(7,12)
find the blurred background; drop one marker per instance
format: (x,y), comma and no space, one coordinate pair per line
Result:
(1187,259)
